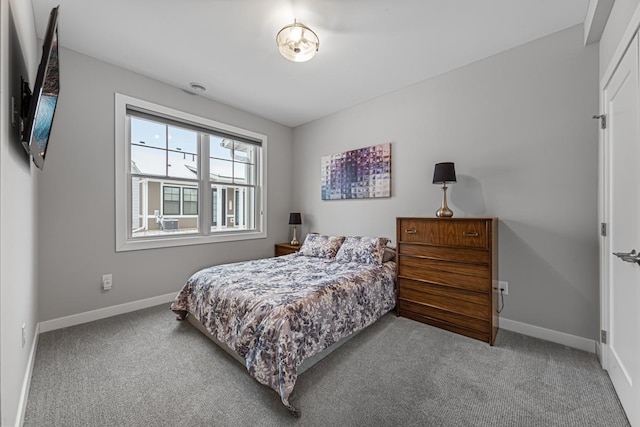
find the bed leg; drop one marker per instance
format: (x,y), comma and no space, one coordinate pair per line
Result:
(294,411)
(181,315)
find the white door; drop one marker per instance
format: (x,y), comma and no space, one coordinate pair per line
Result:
(622,212)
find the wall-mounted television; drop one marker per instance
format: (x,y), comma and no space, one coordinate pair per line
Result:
(42,103)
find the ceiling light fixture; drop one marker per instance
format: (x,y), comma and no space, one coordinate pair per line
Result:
(297,42)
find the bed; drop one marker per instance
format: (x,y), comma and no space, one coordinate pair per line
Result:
(277,314)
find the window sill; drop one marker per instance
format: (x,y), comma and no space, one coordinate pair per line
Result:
(123,245)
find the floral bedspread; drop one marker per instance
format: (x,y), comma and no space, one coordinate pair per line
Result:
(276,312)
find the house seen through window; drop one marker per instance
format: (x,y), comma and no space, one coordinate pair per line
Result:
(190,179)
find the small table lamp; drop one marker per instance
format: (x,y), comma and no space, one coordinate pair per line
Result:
(295,219)
(443,173)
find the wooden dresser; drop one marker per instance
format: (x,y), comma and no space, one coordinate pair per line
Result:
(446,273)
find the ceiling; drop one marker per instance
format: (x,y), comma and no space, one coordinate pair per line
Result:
(367,47)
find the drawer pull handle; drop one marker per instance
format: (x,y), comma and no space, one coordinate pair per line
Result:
(410,231)
(470,234)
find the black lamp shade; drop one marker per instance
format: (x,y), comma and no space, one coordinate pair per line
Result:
(444,172)
(295,218)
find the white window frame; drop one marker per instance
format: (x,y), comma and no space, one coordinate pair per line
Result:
(124,242)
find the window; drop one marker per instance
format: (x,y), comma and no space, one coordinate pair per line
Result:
(214,206)
(171,200)
(190,201)
(165,158)
(172,203)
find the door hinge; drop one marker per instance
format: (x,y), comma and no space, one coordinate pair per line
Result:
(603,120)
(603,228)
(603,336)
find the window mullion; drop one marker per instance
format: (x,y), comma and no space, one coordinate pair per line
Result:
(204,199)
(166,152)
(233,163)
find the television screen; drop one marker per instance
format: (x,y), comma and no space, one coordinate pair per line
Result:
(45,95)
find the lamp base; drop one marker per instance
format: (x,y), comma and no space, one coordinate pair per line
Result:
(295,241)
(444,212)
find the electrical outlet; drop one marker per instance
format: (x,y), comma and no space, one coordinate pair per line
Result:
(24,334)
(107,281)
(504,286)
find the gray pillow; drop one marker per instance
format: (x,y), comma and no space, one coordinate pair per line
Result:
(389,254)
(363,250)
(320,246)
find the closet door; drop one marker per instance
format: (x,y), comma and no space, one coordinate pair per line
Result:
(622,209)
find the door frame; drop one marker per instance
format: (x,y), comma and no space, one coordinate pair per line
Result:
(603,182)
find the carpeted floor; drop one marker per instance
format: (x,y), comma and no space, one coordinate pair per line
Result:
(147,369)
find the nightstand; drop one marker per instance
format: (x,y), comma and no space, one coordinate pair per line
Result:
(286,249)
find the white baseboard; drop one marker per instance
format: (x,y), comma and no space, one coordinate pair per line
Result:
(103,313)
(599,350)
(26,383)
(549,335)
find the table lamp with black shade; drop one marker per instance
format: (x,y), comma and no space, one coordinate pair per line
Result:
(295,219)
(443,173)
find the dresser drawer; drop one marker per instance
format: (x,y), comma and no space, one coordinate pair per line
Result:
(444,316)
(461,301)
(472,333)
(444,232)
(459,275)
(474,256)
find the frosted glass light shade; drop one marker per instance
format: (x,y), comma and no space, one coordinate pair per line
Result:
(297,42)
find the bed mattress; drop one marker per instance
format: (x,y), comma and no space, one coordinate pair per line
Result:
(275,313)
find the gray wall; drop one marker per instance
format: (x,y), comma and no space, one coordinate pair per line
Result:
(518,127)
(76,195)
(18,279)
